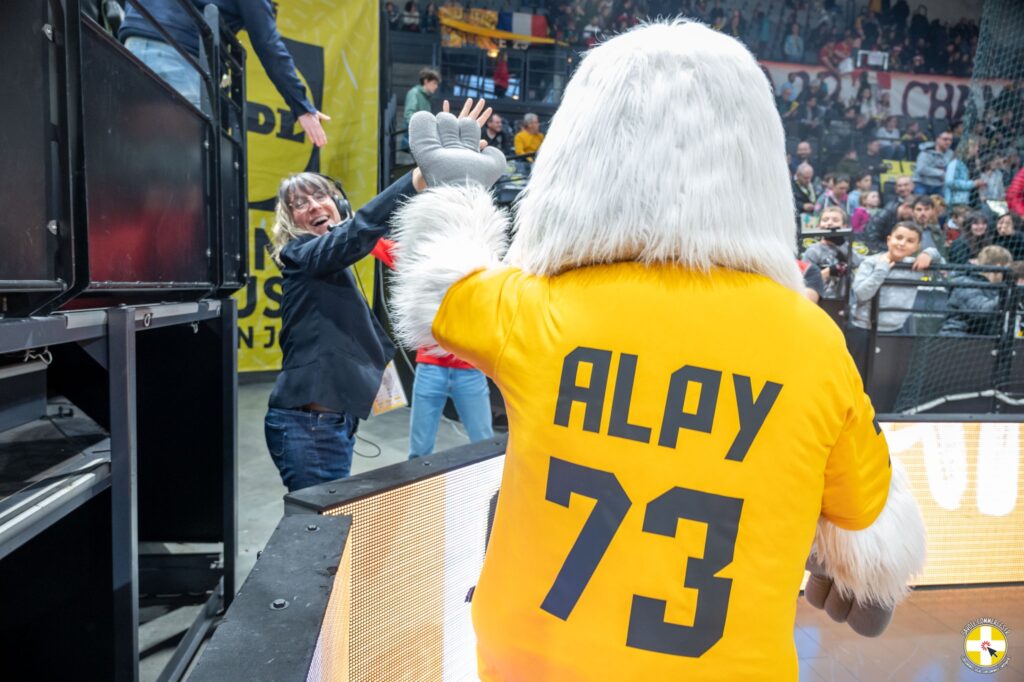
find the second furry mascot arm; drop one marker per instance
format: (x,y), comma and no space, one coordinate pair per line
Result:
(442,235)
(871,538)
(873,564)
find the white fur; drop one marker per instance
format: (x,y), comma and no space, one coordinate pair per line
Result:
(441,236)
(874,564)
(666,148)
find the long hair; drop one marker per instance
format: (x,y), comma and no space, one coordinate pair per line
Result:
(975,243)
(667,148)
(284,229)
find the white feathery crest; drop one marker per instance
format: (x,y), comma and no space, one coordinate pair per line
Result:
(666,148)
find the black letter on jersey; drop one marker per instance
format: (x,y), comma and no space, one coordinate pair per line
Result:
(703,418)
(752,413)
(619,424)
(591,396)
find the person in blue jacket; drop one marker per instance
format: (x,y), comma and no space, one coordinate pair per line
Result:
(258,17)
(958,183)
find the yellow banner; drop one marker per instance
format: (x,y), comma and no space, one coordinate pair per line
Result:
(336,51)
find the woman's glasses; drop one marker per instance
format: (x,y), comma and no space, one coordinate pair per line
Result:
(300,204)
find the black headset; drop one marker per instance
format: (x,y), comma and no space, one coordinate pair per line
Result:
(341,199)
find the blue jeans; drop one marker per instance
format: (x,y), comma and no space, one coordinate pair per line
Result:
(310,447)
(922,189)
(432,386)
(168,63)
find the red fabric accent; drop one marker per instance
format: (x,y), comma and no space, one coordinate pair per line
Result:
(539,26)
(1015,193)
(803,265)
(384,251)
(422,357)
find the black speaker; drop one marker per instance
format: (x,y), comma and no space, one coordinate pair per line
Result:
(116,188)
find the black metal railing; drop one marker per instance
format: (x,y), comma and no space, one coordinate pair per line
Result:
(954,347)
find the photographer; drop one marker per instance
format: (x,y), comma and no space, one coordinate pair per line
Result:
(833,255)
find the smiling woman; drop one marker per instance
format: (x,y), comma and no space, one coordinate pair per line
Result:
(334,349)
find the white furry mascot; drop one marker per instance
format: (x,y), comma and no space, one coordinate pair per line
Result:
(683,424)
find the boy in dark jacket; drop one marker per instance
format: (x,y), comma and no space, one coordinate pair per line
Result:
(972,307)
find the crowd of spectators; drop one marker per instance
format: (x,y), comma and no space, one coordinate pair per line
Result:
(410,18)
(953,211)
(861,139)
(795,30)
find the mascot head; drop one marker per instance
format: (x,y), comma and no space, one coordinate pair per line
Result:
(667,148)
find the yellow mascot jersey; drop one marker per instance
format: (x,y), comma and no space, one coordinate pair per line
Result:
(674,438)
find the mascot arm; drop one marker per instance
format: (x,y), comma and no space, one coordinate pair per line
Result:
(443,235)
(870,539)
(859,576)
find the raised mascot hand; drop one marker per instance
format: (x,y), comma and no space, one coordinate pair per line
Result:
(447,151)
(868,620)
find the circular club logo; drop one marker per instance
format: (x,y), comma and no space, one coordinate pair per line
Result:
(985,647)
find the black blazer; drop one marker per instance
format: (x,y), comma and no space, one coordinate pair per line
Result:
(334,349)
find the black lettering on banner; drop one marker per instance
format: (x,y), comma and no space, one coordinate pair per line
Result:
(948,104)
(245,336)
(621,397)
(287,131)
(611,505)
(250,299)
(260,251)
(592,396)
(752,413)
(675,418)
(272,337)
(272,289)
(259,118)
(648,629)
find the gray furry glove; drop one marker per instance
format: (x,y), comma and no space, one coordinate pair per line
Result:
(447,150)
(868,620)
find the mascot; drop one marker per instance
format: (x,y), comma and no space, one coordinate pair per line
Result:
(683,424)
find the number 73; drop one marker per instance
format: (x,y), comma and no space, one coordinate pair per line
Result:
(647,626)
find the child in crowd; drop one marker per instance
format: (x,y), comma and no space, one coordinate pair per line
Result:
(834,195)
(902,246)
(870,206)
(976,237)
(856,198)
(971,307)
(994,187)
(941,217)
(1008,235)
(833,255)
(955,224)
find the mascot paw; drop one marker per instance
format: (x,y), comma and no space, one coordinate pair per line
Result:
(866,619)
(447,150)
